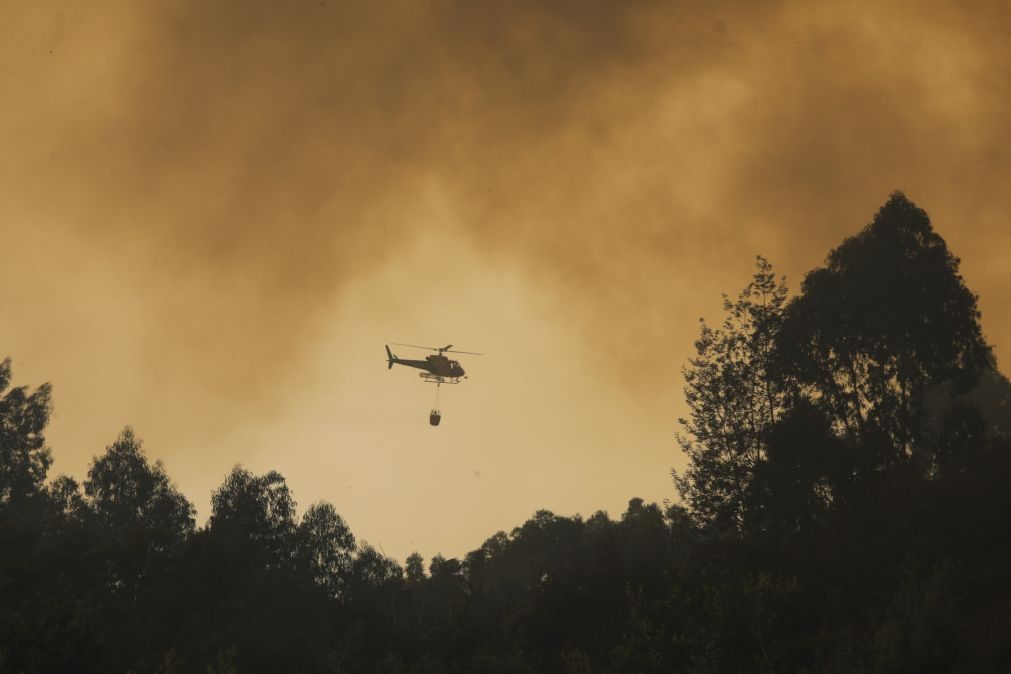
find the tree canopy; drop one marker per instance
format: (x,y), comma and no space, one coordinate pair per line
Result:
(24,456)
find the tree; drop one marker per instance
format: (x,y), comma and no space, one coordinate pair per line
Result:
(415,568)
(257,513)
(373,568)
(792,485)
(734,394)
(325,548)
(257,581)
(126,493)
(65,496)
(133,524)
(884,320)
(24,456)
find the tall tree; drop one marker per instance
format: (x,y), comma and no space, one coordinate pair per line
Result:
(135,522)
(325,548)
(127,493)
(24,457)
(257,514)
(415,569)
(886,318)
(734,394)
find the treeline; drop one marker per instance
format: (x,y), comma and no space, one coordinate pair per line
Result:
(845,508)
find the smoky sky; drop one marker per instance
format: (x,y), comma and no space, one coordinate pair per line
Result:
(280,147)
(236,165)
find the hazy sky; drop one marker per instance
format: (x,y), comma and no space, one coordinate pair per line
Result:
(214,214)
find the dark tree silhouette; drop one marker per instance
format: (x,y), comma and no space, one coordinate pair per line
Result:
(130,498)
(24,457)
(325,548)
(887,318)
(734,394)
(257,514)
(414,568)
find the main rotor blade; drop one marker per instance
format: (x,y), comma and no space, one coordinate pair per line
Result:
(445,349)
(414,346)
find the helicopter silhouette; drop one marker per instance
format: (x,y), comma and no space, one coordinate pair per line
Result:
(438,369)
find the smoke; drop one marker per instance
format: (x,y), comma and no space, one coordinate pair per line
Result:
(237,163)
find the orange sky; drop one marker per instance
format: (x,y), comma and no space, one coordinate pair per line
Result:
(214,214)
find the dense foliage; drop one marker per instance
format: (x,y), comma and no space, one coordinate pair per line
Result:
(844,509)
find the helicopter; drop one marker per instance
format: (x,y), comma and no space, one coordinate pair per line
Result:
(438,369)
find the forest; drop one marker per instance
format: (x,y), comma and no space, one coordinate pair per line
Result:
(844,508)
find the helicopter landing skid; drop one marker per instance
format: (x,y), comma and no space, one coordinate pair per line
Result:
(436,379)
